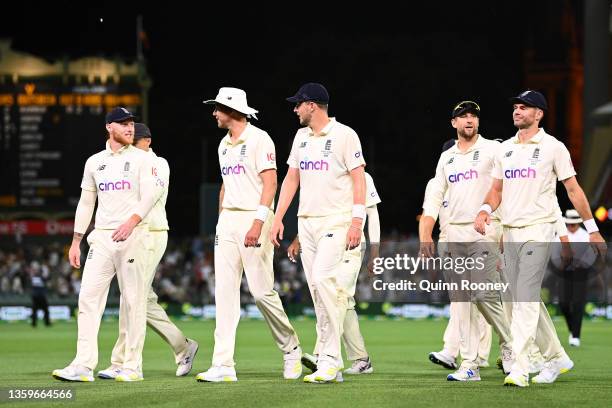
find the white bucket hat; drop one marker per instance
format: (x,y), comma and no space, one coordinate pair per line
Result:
(233,98)
(572,217)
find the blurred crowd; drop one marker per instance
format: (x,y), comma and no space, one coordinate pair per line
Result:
(186,274)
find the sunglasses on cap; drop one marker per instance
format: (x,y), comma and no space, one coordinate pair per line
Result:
(467,104)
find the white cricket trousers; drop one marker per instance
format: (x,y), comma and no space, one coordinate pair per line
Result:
(157,319)
(354,345)
(464,241)
(231,258)
(452,335)
(323,243)
(526,253)
(130,260)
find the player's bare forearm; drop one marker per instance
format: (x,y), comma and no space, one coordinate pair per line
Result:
(359,185)
(493,197)
(426,225)
(268,177)
(578,198)
(288,190)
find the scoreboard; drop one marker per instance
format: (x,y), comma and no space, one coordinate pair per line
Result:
(52,115)
(47,131)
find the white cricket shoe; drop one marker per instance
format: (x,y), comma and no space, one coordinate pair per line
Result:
(517,380)
(441,358)
(110,373)
(482,363)
(327,372)
(218,374)
(73,373)
(361,366)
(574,341)
(127,375)
(465,374)
(551,371)
(292,369)
(187,357)
(535,366)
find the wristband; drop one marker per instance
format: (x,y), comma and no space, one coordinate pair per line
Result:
(262,213)
(590,225)
(359,211)
(486,208)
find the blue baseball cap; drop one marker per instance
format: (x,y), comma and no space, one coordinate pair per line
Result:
(311,92)
(119,114)
(531,98)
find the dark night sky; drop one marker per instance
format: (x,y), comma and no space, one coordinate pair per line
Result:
(393,72)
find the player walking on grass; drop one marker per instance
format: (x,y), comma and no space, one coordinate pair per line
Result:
(184,349)
(122,178)
(248,167)
(327,163)
(464,171)
(525,176)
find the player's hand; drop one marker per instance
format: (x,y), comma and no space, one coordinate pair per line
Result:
(353,235)
(427,248)
(598,244)
(125,230)
(74,255)
(251,238)
(294,250)
(482,220)
(276,232)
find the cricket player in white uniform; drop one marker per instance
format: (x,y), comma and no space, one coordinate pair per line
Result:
(248,167)
(525,176)
(184,349)
(447,357)
(465,172)
(122,178)
(352,339)
(327,162)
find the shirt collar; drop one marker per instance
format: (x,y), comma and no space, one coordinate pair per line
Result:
(325,131)
(241,139)
(121,150)
(455,148)
(537,138)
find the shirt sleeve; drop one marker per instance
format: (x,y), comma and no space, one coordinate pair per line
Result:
(372,197)
(292,161)
(497,171)
(88,182)
(162,179)
(150,192)
(564,168)
(265,155)
(434,192)
(353,156)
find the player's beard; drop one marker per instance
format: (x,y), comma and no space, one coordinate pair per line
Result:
(123,139)
(305,119)
(524,123)
(468,136)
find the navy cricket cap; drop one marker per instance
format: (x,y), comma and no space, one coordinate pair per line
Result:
(531,98)
(465,107)
(119,114)
(141,131)
(311,92)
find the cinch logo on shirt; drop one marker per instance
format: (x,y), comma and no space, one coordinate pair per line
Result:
(467,175)
(314,165)
(115,185)
(528,172)
(237,169)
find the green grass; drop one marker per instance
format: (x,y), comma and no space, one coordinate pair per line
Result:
(403,375)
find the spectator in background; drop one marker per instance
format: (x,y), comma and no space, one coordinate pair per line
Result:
(38,278)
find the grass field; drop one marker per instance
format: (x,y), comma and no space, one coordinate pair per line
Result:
(403,375)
